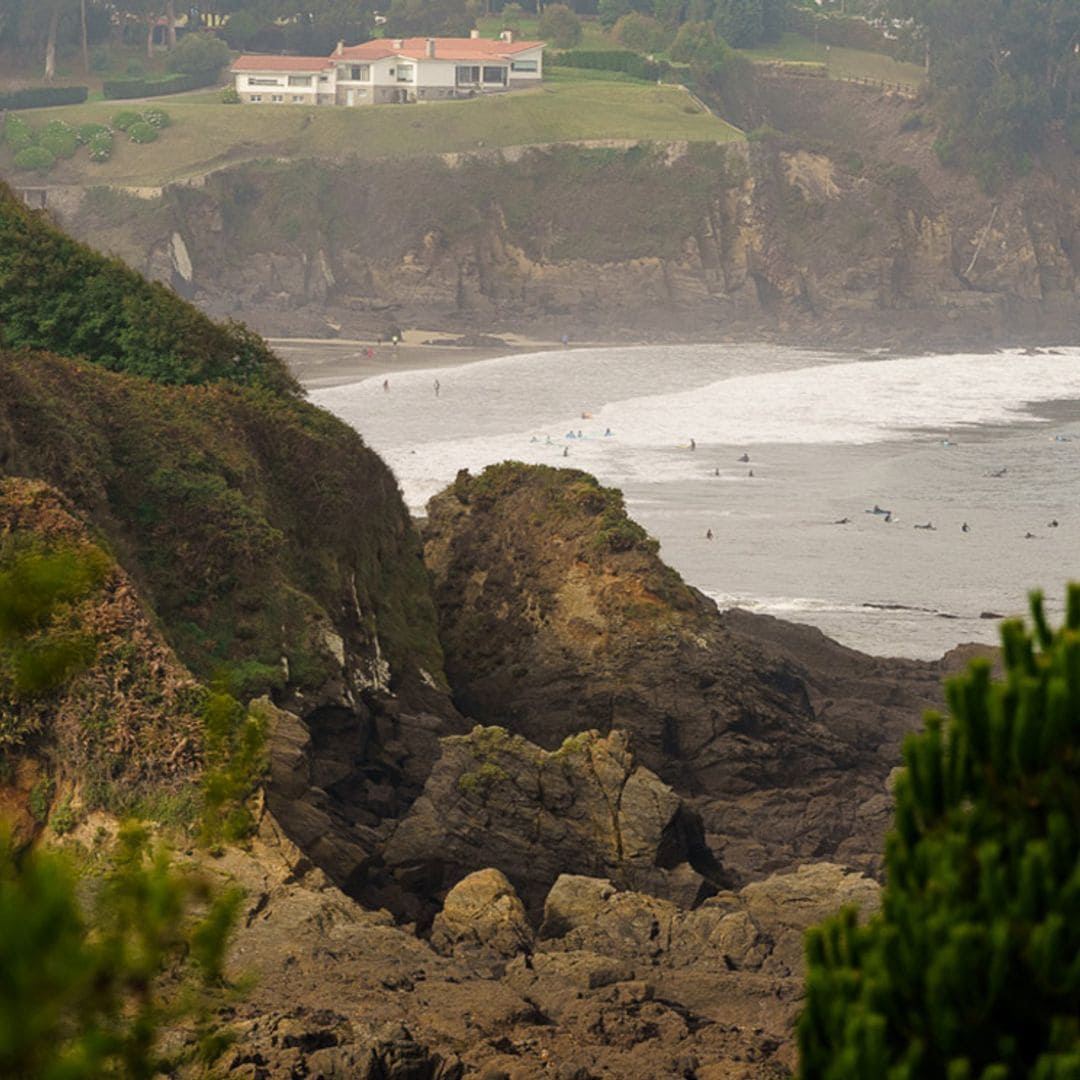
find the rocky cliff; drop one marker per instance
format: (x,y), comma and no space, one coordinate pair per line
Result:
(573,800)
(836,224)
(556,615)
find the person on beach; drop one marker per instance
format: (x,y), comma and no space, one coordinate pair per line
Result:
(708,534)
(436,387)
(693,445)
(386,385)
(566,451)
(607,433)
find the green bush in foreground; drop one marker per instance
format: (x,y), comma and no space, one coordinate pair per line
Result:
(81,992)
(972,969)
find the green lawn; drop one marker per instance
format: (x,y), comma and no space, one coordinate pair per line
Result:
(205,136)
(841,62)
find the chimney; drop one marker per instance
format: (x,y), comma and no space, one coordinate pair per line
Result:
(429,48)
(398,44)
(340,50)
(474,34)
(507,36)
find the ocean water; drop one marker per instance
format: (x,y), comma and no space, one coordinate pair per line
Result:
(990,440)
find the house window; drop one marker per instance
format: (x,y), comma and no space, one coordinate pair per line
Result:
(298,99)
(299,80)
(404,72)
(467,76)
(324,78)
(495,75)
(277,98)
(258,80)
(524,65)
(256,97)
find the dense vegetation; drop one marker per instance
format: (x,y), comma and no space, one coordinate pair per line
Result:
(60,295)
(249,517)
(1005,70)
(972,969)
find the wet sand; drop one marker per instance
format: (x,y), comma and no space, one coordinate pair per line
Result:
(319,363)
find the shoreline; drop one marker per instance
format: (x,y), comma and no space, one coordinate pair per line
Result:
(323,363)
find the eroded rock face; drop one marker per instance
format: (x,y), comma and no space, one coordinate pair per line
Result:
(589,807)
(557,616)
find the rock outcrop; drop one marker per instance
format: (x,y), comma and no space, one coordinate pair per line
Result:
(616,983)
(588,807)
(557,616)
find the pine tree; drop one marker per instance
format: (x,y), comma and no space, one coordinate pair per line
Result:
(971,971)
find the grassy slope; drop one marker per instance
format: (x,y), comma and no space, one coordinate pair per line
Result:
(206,136)
(251,519)
(841,62)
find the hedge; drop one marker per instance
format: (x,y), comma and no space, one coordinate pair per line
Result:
(40,97)
(155,87)
(632,63)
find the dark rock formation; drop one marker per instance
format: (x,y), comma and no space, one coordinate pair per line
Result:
(588,807)
(556,615)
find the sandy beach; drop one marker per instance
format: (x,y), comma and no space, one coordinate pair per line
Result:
(320,363)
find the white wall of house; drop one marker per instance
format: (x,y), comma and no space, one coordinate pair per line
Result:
(372,82)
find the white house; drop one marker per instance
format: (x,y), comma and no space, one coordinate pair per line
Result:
(393,70)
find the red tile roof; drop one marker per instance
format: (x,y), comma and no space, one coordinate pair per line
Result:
(282,63)
(415,48)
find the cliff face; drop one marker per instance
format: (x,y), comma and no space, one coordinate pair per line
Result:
(846,229)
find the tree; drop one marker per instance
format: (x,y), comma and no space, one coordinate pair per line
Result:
(972,969)
(642,33)
(740,23)
(199,54)
(559,26)
(1002,69)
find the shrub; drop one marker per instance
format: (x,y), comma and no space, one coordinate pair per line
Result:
(86,132)
(35,158)
(100,146)
(81,984)
(155,117)
(142,132)
(38,97)
(63,819)
(17,133)
(972,968)
(230,95)
(123,120)
(199,54)
(61,144)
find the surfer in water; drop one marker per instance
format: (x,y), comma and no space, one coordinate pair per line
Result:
(965,527)
(708,534)
(745,458)
(693,445)
(843,521)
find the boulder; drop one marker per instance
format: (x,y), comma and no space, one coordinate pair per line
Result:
(482,917)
